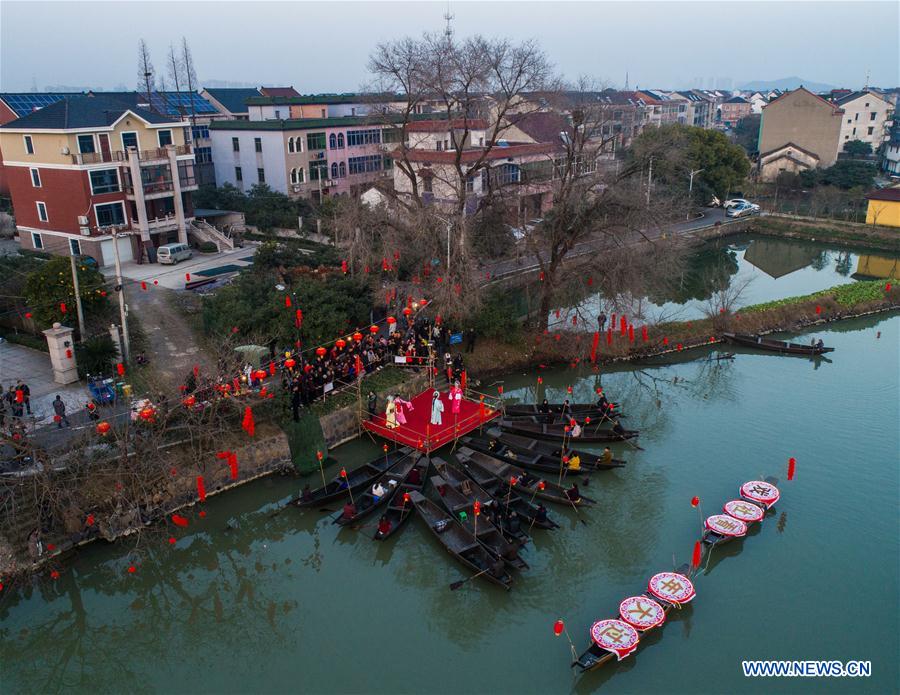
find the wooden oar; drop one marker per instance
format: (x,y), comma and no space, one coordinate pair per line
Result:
(455,585)
(575,507)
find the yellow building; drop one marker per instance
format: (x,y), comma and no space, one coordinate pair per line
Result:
(884,207)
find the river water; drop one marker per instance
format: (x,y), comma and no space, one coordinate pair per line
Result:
(287,602)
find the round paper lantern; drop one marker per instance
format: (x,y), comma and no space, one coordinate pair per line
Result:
(391,320)
(341,343)
(147,413)
(103,427)
(357,336)
(320,351)
(373,329)
(260,374)
(424,302)
(559,625)
(190,401)
(407,311)
(290,363)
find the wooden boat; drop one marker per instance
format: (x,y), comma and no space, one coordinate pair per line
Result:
(486,488)
(459,542)
(711,539)
(365,502)
(461,508)
(534,454)
(785,348)
(526,483)
(578,410)
(594,657)
(591,433)
(357,479)
(398,511)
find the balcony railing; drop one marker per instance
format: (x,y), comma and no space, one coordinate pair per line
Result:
(154,155)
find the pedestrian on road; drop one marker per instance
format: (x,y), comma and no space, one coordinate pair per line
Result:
(59,407)
(601,321)
(26,395)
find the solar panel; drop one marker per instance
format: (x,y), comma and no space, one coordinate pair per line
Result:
(23,104)
(175,103)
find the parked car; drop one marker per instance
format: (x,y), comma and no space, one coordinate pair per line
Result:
(740,201)
(172,253)
(741,210)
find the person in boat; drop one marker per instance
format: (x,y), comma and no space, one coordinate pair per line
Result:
(606,456)
(819,344)
(576,431)
(377,491)
(566,407)
(574,463)
(617,428)
(306,495)
(349,511)
(602,403)
(573,493)
(544,407)
(541,514)
(384,526)
(514,525)
(498,568)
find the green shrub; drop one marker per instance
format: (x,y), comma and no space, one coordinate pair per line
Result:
(96,355)
(207,247)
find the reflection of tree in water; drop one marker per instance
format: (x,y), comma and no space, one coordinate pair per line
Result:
(99,617)
(843,264)
(706,272)
(820,261)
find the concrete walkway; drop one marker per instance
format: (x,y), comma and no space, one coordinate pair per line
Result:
(173,276)
(33,367)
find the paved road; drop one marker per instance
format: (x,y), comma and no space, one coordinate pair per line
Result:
(527,264)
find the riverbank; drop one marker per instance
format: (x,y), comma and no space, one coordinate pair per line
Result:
(847,234)
(534,352)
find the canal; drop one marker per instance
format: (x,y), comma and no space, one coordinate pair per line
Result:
(250,599)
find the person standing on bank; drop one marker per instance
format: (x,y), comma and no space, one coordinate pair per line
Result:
(59,407)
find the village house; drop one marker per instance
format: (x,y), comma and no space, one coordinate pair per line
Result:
(867,117)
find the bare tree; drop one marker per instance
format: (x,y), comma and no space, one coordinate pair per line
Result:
(146,73)
(174,67)
(190,76)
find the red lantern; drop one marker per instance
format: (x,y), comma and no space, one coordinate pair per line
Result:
(344,473)
(190,401)
(373,329)
(477,508)
(179,520)
(540,380)
(423,302)
(320,351)
(384,448)
(513,481)
(665,341)
(62,307)
(357,336)
(187,277)
(587,421)
(344,267)
(319,455)
(120,368)
(69,353)
(391,320)
(792,464)
(407,311)
(558,627)
(698,552)
(147,413)
(541,485)
(201,489)
(818,309)
(298,319)
(631,332)
(500,390)
(679,346)
(341,343)
(287,301)
(887,287)
(405,498)
(248,424)
(144,286)
(695,501)
(103,427)
(233,465)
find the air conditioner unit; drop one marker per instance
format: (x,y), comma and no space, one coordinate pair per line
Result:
(320,155)
(82,220)
(295,187)
(64,150)
(85,231)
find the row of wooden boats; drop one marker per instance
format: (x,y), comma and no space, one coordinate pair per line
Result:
(591,430)
(780,346)
(616,638)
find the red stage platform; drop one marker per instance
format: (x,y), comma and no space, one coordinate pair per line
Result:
(419,433)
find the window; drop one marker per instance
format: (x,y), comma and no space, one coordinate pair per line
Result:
(42,211)
(261,175)
(855,116)
(871,130)
(257,144)
(873,115)
(203,155)
(37,241)
(235,145)
(324,115)
(440,145)
(481,142)
(29,144)
(75,247)
(36,178)
(334,170)
(340,141)
(104,181)
(364,165)
(470,184)
(426,182)
(332,141)
(290,144)
(294,175)
(854,131)
(129,140)
(315,141)
(343,169)
(110,215)
(199,132)
(301,175)
(278,114)
(164,137)
(363,137)
(849,120)
(86,144)
(318,170)
(391,135)
(507,173)
(238,174)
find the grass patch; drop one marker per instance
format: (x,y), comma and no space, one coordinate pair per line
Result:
(25,339)
(845,295)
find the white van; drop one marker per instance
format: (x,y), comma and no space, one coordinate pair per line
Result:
(172,253)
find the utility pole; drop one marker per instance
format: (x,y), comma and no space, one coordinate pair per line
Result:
(691,185)
(77,298)
(120,288)
(649,181)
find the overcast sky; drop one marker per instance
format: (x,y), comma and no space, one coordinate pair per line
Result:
(323,46)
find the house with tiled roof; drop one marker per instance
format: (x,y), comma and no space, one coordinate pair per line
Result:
(884,207)
(733,110)
(868,116)
(230,102)
(798,121)
(85,168)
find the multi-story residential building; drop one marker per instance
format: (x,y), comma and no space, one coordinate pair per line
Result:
(890,154)
(757,101)
(799,130)
(230,102)
(660,110)
(733,110)
(867,117)
(310,157)
(264,108)
(699,111)
(84,168)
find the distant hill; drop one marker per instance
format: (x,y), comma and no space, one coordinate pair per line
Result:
(786,83)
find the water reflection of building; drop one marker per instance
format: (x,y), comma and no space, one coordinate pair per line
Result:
(876,267)
(778,258)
